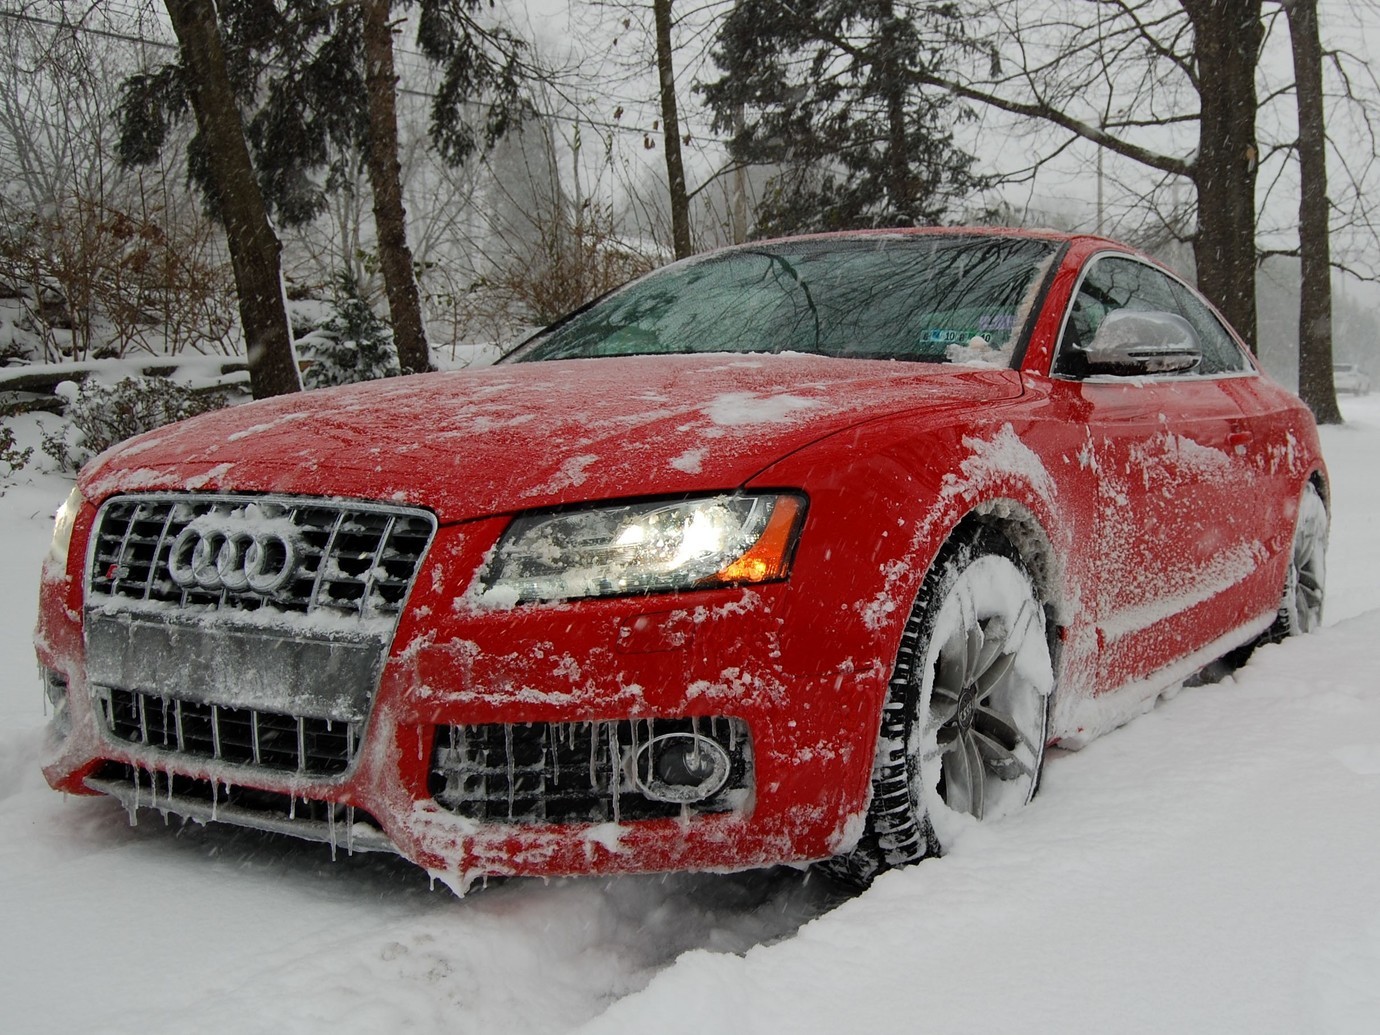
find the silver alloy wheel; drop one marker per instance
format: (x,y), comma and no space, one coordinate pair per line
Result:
(1301,608)
(989,677)
(987,719)
(964,722)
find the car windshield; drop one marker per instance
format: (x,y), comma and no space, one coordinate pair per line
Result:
(926,297)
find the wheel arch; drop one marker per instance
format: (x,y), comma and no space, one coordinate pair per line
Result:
(1318,479)
(1026,532)
(1031,541)
(887,839)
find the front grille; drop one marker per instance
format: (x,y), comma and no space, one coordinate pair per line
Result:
(352,559)
(571,772)
(247,630)
(238,736)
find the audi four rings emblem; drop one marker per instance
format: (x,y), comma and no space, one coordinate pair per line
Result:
(234,559)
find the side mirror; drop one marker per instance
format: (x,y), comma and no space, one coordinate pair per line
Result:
(1131,342)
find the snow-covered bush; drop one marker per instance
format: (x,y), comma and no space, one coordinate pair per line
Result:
(92,277)
(100,415)
(573,262)
(352,344)
(18,341)
(12,458)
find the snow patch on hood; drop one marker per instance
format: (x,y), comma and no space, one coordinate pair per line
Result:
(273,425)
(691,461)
(740,409)
(573,473)
(210,477)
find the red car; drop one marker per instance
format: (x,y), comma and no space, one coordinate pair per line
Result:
(796,551)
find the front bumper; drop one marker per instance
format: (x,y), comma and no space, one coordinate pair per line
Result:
(769,659)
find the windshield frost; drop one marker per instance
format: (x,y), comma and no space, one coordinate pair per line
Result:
(878,297)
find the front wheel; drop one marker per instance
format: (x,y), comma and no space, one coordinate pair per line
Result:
(964,725)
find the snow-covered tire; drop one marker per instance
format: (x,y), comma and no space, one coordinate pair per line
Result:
(1305,581)
(964,725)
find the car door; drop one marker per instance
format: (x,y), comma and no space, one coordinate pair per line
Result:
(1280,466)
(1172,530)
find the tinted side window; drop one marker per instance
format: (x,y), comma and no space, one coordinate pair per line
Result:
(1221,354)
(1110,283)
(1116,283)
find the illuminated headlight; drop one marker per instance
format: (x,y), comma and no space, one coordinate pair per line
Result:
(62,528)
(645,548)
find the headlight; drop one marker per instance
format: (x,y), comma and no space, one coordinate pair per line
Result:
(645,548)
(62,528)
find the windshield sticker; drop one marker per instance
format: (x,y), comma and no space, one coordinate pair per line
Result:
(949,337)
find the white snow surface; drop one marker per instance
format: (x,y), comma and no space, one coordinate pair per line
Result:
(1210,867)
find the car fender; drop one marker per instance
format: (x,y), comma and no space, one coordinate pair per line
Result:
(884,498)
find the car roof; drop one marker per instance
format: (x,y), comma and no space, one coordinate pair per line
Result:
(1036,233)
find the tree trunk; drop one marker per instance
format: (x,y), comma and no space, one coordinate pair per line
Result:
(892,72)
(1227,39)
(385,177)
(255,252)
(738,208)
(670,119)
(1315,299)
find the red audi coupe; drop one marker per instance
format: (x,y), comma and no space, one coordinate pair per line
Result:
(798,551)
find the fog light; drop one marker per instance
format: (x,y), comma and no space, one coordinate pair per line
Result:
(681,767)
(55,694)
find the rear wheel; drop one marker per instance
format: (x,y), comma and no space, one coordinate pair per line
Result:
(964,725)
(1301,606)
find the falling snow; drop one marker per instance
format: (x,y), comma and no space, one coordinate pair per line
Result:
(1208,867)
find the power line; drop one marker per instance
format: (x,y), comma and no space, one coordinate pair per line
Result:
(90,30)
(407,91)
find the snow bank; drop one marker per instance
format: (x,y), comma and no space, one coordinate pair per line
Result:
(1209,868)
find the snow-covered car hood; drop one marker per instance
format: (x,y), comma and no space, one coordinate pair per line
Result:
(506,438)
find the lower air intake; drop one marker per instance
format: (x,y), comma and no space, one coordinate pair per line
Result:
(213,801)
(239,736)
(586,772)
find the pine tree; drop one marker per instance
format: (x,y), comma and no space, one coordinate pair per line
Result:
(828,92)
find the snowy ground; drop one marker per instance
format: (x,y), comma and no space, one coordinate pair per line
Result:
(1209,868)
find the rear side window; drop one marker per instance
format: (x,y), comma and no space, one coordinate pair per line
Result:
(1221,354)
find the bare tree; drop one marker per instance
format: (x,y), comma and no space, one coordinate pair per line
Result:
(1074,66)
(650,55)
(670,117)
(1315,299)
